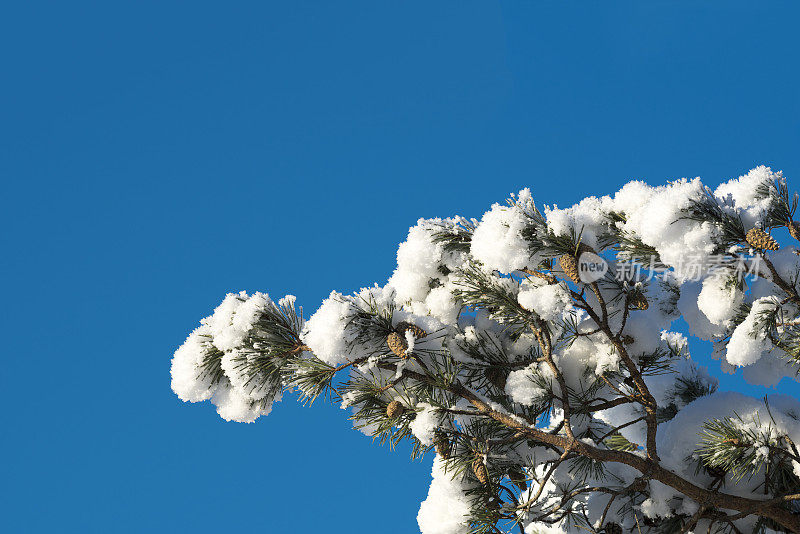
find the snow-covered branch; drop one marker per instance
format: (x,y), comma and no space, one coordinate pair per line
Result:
(538,353)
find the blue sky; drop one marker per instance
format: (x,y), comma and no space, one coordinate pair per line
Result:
(156,155)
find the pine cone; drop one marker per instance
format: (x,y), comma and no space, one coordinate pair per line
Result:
(612,528)
(480,471)
(397,344)
(569,265)
(442,445)
(417,332)
(569,262)
(794,229)
(394,409)
(758,238)
(716,471)
(638,301)
(627,340)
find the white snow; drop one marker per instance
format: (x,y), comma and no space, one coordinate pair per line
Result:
(548,301)
(425,424)
(325,330)
(446,509)
(498,242)
(719,300)
(521,387)
(748,342)
(185,371)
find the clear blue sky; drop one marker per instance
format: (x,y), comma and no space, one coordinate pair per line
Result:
(156,155)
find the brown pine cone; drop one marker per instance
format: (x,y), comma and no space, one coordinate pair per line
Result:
(480,471)
(627,340)
(794,229)
(394,409)
(416,331)
(569,262)
(569,265)
(397,344)
(758,238)
(442,445)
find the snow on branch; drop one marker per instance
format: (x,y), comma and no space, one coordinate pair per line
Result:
(536,352)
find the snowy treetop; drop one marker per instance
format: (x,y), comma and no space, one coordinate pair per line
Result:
(544,353)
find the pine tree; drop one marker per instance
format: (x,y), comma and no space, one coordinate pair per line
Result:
(553,400)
